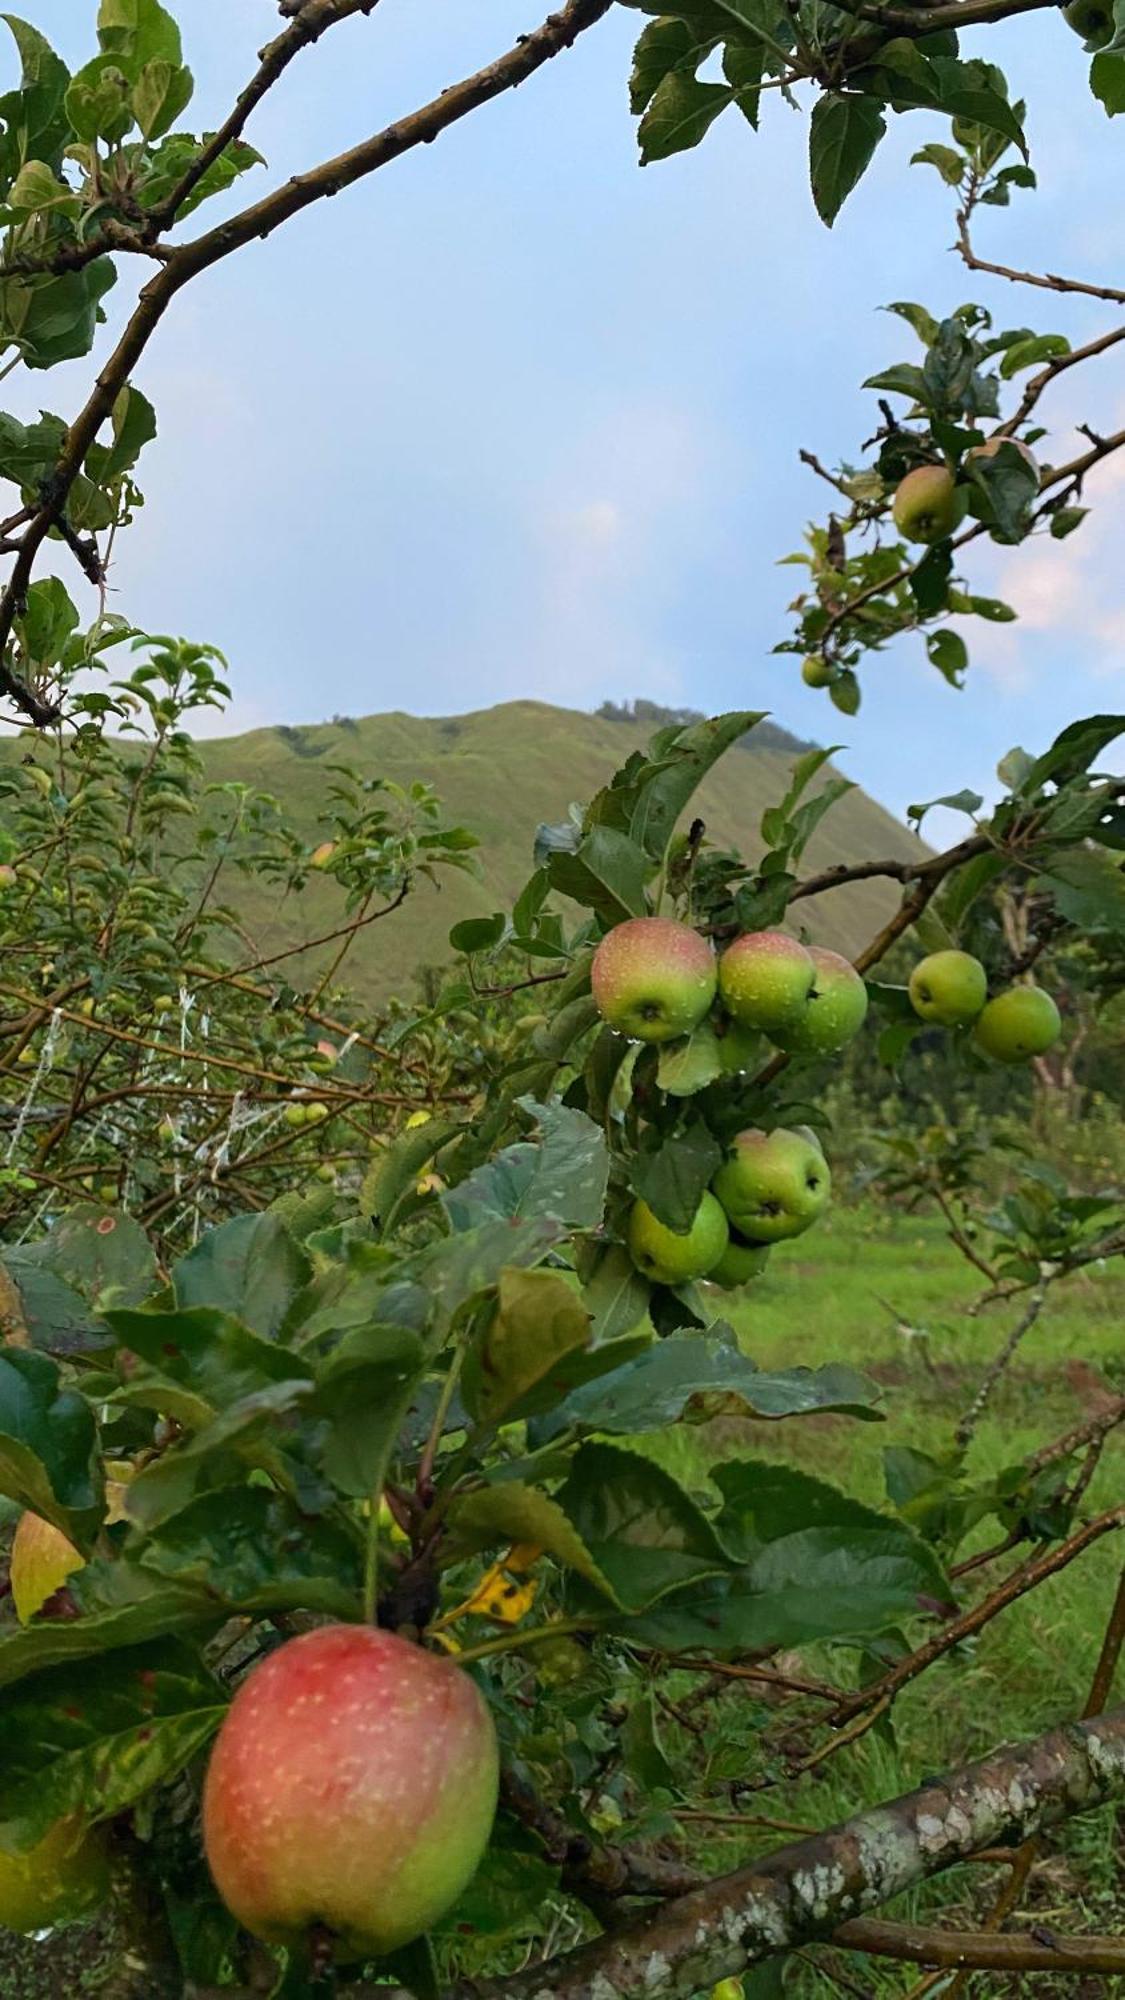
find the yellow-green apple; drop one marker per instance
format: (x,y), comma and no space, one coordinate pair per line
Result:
(834,1012)
(1093,20)
(773,1185)
(353,1787)
(1020,1023)
(991,445)
(653,979)
(949,988)
(41,1560)
(817,673)
(8,876)
(63,1878)
(739,1262)
(929,505)
(669,1258)
(765,979)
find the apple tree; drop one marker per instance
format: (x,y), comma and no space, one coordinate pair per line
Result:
(408,1501)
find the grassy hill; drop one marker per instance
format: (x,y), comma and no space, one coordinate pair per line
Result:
(501,771)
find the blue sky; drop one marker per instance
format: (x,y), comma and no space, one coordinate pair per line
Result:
(518,418)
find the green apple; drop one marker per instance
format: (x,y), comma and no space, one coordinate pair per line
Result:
(765,979)
(949,988)
(773,1185)
(1020,1023)
(834,1013)
(1092,20)
(991,445)
(739,1262)
(929,504)
(653,979)
(670,1259)
(817,673)
(64,1877)
(352,1787)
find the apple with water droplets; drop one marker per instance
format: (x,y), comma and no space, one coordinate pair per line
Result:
(653,979)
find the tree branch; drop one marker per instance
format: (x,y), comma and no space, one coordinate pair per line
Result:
(807,1890)
(982,1950)
(1027,1577)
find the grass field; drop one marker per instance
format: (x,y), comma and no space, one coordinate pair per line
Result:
(891,1296)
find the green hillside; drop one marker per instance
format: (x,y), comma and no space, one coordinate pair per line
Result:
(500,771)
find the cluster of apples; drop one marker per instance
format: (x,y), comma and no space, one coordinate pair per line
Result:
(950,990)
(655,981)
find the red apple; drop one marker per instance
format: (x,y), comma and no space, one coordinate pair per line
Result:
(653,979)
(352,1787)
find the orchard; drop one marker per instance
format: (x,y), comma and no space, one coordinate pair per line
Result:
(421,1577)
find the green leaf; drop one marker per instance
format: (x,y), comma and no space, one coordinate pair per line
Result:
(963,802)
(155,1611)
(210,1354)
(101,1254)
(397,1167)
(695,1378)
(950,165)
(44,628)
(1009,486)
(478,933)
(162,90)
(172,158)
(1107,80)
(688,1066)
(522,1360)
(462,1270)
(606,873)
(844,692)
(680,758)
(56,319)
(250,1550)
(614,1293)
(98,102)
(1025,353)
(249,1267)
(1074,750)
(681,111)
(831,1582)
(666,44)
(95,1744)
(134,426)
(904,379)
(512,1512)
(34,115)
(137,32)
(363,1389)
(674,1179)
(1089,891)
(843,134)
(48,1445)
(562,1175)
(948,653)
(217,1455)
(640,1527)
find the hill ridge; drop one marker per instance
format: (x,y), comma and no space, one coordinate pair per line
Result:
(501,771)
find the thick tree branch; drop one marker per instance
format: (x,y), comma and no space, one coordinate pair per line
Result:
(808,1890)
